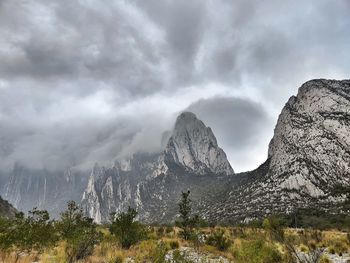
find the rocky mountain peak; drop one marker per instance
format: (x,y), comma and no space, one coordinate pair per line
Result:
(310,148)
(194,146)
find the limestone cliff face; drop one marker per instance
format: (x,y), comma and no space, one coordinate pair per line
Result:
(194,146)
(310,150)
(308,163)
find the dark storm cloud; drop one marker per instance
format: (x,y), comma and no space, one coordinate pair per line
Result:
(86,81)
(239,124)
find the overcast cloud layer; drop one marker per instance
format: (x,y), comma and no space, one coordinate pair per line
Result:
(86,81)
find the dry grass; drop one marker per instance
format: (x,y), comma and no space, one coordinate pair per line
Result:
(109,251)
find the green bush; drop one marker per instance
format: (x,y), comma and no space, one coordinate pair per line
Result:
(151,251)
(160,232)
(116,259)
(126,229)
(219,240)
(169,229)
(24,234)
(79,233)
(174,244)
(256,251)
(187,222)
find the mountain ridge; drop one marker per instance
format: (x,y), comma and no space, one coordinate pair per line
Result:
(307,165)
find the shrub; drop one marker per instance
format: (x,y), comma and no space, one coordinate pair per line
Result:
(325,259)
(219,240)
(151,251)
(79,233)
(256,251)
(6,240)
(24,234)
(116,259)
(160,232)
(174,244)
(304,248)
(40,232)
(126,229)
(340,247)
(169,229)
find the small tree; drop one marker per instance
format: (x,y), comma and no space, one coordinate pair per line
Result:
(25,234)
(126,229)
(187,222)
(40,230)
(6,242)
(79,232)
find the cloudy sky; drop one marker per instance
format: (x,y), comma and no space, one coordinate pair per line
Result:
(89,80)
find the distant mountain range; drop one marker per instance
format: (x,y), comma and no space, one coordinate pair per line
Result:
(308,166)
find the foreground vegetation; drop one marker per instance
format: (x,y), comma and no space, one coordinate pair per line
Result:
(75,238)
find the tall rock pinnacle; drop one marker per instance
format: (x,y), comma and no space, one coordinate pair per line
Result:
(194,146)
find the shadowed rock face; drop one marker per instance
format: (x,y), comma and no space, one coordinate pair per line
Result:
(6,209)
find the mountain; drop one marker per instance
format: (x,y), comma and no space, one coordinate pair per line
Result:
(151,182)
(307,167)
(308,158)
(6,209)
(194,146)
(51,190)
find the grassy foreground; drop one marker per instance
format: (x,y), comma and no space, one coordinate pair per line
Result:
(76,238)
(235,244)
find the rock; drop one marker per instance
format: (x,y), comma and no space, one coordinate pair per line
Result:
(145,181)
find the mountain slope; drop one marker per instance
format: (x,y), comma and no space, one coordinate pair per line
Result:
(6,209)
(308,160)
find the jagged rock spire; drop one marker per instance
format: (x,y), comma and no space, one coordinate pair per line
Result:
(194,146)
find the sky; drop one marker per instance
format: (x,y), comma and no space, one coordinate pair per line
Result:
(90,81)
